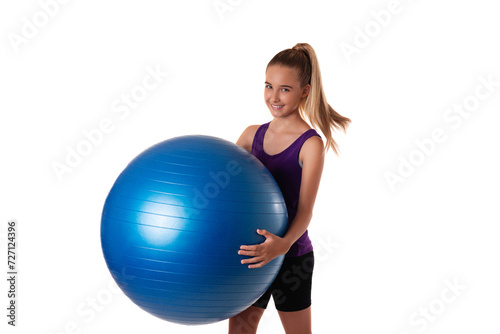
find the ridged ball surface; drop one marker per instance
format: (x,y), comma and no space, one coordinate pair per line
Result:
(174,220)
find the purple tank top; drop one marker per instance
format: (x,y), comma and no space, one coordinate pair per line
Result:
(287,172)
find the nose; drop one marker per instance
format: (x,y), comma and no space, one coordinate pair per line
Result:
(275,96)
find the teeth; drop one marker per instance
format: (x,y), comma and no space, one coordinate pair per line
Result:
(274,106)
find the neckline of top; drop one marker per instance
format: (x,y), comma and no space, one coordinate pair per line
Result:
(286,149)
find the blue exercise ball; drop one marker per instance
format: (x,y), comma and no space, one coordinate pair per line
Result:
(173,223)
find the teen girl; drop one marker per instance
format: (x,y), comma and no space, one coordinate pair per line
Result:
(294,154)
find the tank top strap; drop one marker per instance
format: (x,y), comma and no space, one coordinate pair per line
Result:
(297,145)
(258,139)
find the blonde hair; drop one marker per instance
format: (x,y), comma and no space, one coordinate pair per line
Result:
(314,107)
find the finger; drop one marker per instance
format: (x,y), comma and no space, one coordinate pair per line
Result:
(252,260)
(262,232)
(265,233)
(249,247)
(248,253)
(258,265)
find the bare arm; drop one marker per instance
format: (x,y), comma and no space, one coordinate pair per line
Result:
(312,157)
(246,138)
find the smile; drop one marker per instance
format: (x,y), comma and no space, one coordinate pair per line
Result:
(275,107)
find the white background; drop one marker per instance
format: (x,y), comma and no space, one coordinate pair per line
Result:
(385,254)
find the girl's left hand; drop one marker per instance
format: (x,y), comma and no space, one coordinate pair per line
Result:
(265,252)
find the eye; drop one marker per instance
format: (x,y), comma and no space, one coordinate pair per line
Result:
(285,89)
(269,86)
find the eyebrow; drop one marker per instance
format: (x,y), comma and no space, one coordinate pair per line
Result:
(280,86)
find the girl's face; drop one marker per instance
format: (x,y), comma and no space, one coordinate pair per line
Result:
(283,92)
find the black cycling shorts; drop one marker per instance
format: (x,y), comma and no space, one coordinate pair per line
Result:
(291,289)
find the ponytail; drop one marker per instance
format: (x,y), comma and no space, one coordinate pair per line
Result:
(314,107)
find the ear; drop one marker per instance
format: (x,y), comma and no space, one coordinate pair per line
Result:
(306,90)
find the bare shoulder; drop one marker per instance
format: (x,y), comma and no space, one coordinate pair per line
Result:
(312,149)
(314,143)
(246,138)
